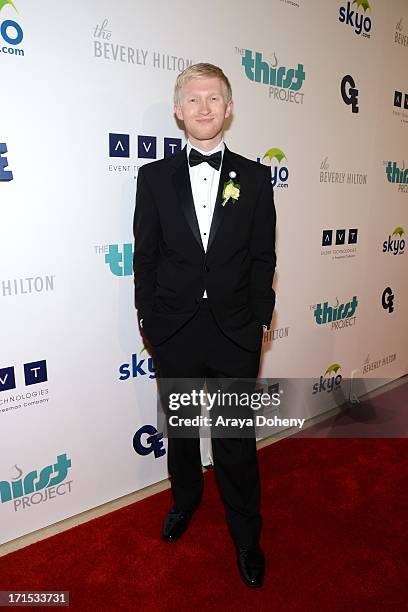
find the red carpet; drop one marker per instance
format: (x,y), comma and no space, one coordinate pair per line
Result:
(335,538)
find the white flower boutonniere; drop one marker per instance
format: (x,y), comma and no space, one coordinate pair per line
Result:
(231,189)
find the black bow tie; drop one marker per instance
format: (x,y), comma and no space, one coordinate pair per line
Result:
(196,158)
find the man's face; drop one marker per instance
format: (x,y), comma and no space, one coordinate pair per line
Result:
(203,110)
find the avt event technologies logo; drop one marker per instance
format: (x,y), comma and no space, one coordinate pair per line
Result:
(354,15)
(339,238)
(36,488)
(396,245)
(35,373)
(387,300)
(5,175)
(400,38)
(396,175)
(401,99)
(284,83)
(11,32)
(371,365)
(340,315)
(401,102)
(279,171)
(340,177)
(349,93)
(119,146)
(330,381)
(148,440)
(104,48)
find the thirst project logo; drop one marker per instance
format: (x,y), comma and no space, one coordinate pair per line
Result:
(284,84)
(37,486)
(339,316)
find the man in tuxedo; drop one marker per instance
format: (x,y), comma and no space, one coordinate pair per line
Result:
(204,261)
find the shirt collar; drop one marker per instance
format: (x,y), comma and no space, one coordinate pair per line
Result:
(220,147)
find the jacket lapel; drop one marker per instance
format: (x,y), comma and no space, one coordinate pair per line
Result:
(182,184)
(219,209)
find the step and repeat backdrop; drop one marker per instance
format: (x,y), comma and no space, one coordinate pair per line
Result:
(321,97)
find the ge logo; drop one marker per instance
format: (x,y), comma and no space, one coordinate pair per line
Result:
(349,93)
(388,300)
(152,443)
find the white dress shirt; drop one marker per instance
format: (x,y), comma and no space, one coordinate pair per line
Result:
(204,181)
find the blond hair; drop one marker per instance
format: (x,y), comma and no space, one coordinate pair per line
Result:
(197,71)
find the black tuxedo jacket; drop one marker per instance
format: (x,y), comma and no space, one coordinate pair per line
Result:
(172,269)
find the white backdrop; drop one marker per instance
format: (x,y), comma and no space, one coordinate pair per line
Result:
(74,74)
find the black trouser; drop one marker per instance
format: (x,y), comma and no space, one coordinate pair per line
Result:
(201,351)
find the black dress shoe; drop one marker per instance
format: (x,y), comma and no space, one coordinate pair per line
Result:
(251,564)
(175,524)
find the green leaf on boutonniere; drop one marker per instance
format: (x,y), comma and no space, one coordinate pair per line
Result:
(231,191)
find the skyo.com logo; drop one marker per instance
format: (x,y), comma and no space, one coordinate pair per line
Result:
(359,21)
(138,367)
(397,175)
(11,32)
(340,316)
(148,440)
(37,488)
(5,175)
(396,245)
(279,171)
(284,83)
(330,381)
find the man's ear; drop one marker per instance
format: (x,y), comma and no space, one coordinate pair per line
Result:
(228,109)
(178,111)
